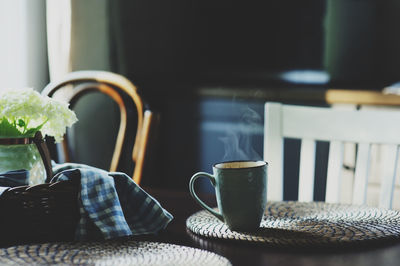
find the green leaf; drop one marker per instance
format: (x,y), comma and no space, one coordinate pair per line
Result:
(31,131)
(21,123)
(8,130)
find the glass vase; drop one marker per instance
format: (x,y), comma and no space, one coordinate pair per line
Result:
(17,156)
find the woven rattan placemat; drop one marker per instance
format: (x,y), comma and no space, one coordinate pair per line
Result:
(308,224)
(108,253)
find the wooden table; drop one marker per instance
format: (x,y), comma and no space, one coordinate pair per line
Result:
(181,205)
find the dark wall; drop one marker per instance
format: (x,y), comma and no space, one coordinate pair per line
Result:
(229,42)
(217,41)
(172,49)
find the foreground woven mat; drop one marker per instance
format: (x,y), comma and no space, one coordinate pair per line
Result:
(108,253)
(308,224)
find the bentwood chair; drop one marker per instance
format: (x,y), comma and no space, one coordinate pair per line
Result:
(76,84)
(336,126)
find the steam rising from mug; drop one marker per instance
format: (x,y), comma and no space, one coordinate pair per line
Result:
(238,143)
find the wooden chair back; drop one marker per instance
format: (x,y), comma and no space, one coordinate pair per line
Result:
(311,124)
(79,83)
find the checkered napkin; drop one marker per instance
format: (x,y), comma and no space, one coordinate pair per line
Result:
(111,204)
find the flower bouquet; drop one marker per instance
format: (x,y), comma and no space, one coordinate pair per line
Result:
(23,113)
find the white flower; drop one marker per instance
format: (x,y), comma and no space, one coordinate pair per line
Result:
(26,111)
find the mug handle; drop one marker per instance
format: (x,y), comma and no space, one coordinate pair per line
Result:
(194,195)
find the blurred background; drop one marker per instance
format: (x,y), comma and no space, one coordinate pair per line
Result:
(206,67)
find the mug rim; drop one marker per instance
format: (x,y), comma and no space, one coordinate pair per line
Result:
(238,161)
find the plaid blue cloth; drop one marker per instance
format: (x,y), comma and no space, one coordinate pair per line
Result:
(111,204)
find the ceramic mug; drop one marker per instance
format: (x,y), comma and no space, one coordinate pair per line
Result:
(240,188)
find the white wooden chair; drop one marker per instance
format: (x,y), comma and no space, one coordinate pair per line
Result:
(338,127)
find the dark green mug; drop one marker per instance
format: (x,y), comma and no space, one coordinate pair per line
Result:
(240,188)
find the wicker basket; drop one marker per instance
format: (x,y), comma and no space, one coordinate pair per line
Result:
(40,213)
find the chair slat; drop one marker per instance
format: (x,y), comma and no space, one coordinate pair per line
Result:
(306,173)
(326,124)
(361,174)
(390,156)
(273,151)
(335,163)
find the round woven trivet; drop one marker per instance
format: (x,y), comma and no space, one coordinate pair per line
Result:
(307,224)
(108,253)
